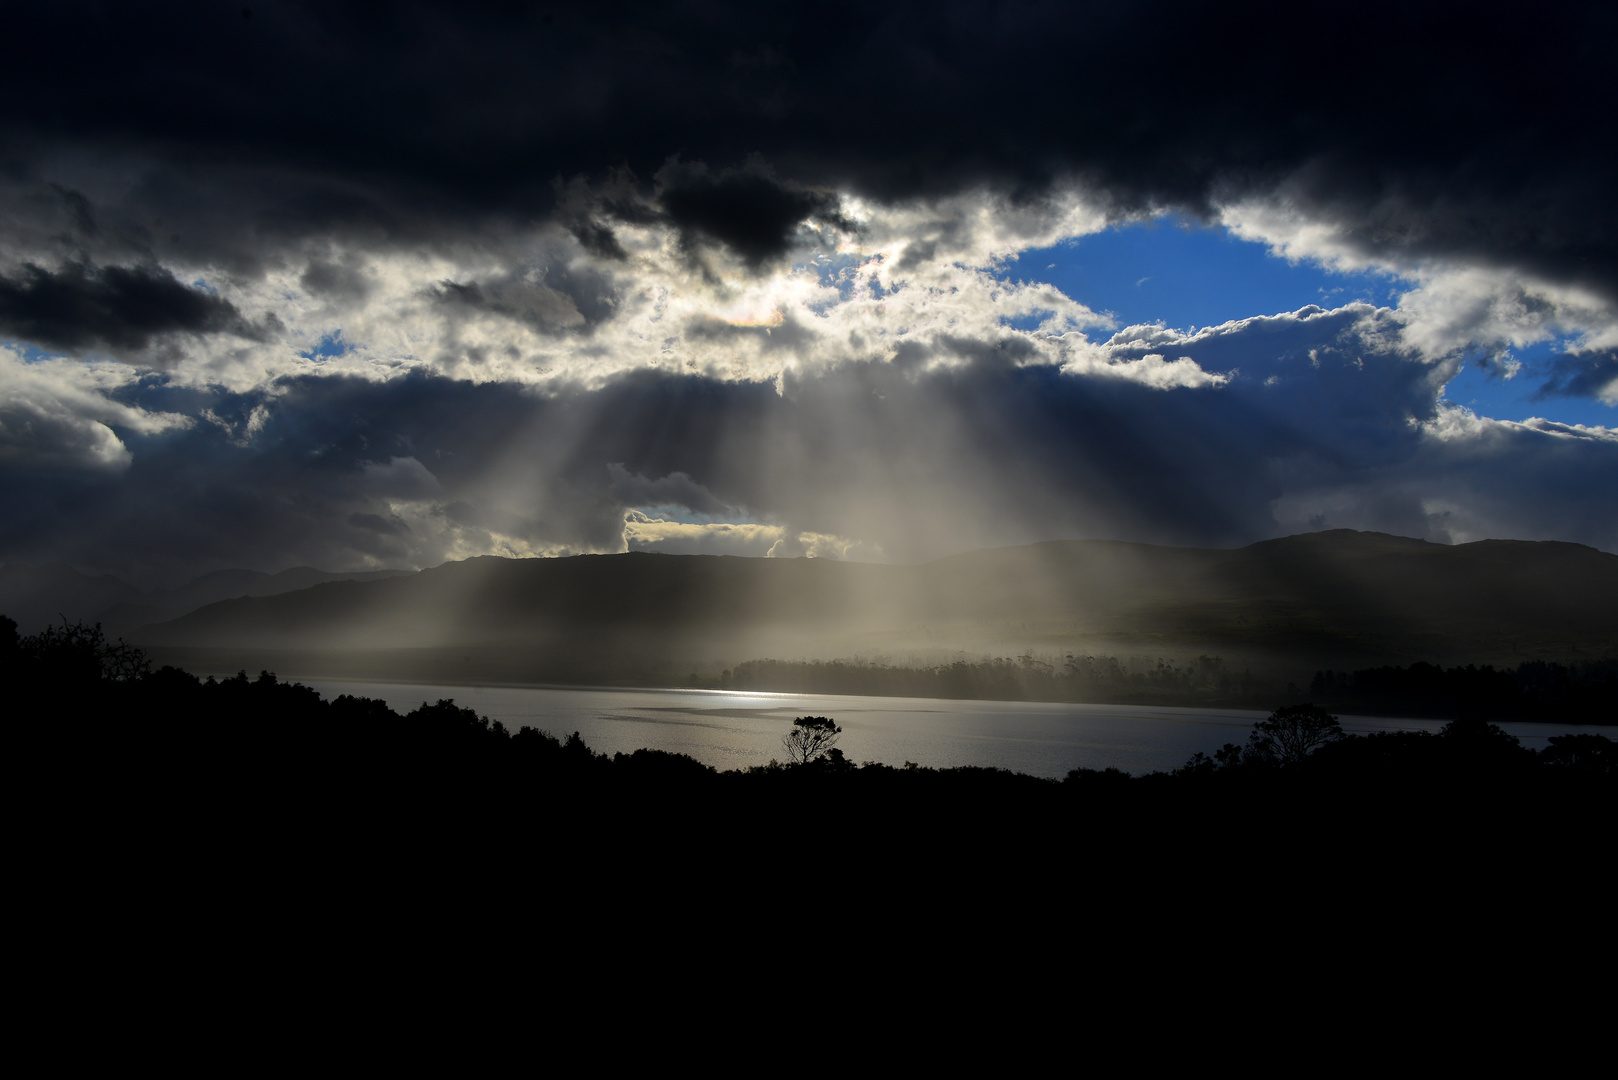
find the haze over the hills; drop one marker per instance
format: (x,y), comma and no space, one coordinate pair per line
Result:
(1327,599)
(38,596)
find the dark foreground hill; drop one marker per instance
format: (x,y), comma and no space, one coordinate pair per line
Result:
(1337,599)
(174,821)
(290,862)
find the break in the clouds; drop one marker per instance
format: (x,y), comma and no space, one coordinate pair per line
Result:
(319,284)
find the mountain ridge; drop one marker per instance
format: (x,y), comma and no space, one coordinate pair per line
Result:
(39,595)
(1333,599)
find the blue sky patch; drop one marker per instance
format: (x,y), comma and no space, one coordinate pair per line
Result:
(330,345)
(31,354)
(836,271)
(1186,275)
(1488,391)
(1190,276)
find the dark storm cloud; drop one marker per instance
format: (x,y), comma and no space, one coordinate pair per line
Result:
(747,211)
(1588,375)
(675,489)
(1322,426)
(122,308)
(377,523)
(344,282)
(303,149)
(310,486)
(599,240)
(551,300)
(1419,130)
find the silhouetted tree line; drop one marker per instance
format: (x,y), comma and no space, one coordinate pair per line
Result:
(255,785)
(105,693)
(1584,692)
(1537,690)
(1099,679)
(1308,740)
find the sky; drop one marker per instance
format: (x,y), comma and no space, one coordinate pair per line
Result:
(323,284)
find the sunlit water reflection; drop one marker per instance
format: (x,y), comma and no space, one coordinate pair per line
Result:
(735,729)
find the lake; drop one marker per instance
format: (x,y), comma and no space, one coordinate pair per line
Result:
(731,729)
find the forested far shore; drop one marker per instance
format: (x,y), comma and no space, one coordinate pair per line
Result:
(1089,679)
(1581,693)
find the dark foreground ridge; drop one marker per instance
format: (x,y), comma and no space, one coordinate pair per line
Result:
(264,761)
(217,830)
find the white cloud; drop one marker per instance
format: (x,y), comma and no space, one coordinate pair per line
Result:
(56,411)
(924,276)
(645,533)
(1458,424)
(1445,305)
(929,400)
(1149,370)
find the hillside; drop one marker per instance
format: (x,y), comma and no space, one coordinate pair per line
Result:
(39,596)
(1331,599)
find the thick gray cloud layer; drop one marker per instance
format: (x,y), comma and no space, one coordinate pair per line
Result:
(323,283)
(1415,128)
(1319,428)
(122,308)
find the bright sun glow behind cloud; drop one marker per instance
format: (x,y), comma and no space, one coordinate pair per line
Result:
(894,329)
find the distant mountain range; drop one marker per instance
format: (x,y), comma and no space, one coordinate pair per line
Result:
(1328,599)
(40,596)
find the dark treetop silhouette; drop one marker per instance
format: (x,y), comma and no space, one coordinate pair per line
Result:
(811,738)
(1292,733)
(159,776)
(187,821)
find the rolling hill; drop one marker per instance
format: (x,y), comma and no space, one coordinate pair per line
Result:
(1338,598)
(38,596)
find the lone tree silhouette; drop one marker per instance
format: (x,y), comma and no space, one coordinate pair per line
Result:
(810,738)
(1292,733)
